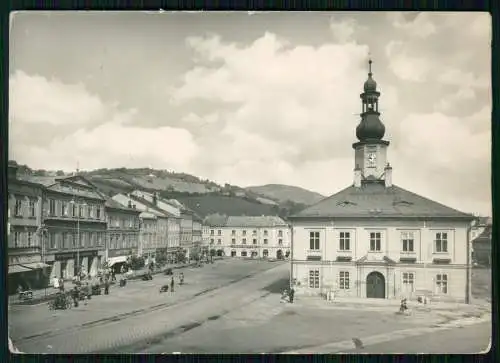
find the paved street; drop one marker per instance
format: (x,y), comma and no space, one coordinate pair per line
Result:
(229,307)
(466,340)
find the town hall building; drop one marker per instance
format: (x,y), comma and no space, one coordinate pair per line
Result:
(374,239)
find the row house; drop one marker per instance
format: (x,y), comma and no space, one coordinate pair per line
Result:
(25,250)
(73,225)
(374,239)
(197,233)
(153,225)
(174,218)
(249,236)
(123,225)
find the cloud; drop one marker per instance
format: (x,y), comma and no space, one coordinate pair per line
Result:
(111,143)
(343,29)
(406,66)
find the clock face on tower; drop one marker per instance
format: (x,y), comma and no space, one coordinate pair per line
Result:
(372,157)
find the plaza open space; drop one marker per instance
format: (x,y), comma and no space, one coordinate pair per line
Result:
(231,306)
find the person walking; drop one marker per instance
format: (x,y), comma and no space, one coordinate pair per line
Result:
(181,278)
(75,294)
(61,285)
(172,284)
(106,286)
(291,294)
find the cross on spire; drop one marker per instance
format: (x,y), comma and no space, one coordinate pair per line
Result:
(369,64)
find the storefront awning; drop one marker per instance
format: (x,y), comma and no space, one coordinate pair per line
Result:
(115,260)
(35,265)
(14,269)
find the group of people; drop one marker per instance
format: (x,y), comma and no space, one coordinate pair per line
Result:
(164,288)
(287,295)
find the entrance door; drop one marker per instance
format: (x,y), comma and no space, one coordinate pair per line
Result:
(375,285)
(279,254)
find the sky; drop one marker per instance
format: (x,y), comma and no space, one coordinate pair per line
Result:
(252,99)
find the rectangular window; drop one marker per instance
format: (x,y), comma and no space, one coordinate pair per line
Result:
(17,239)
(64,208)
(345,241)
(254,241)
(375,241)
(74,211)
(211,232)
(233,241)
(71,240)
(52,240)
(32,207)
(441,242)
(244,241)
(344,280)
(30,240)
(265,233)
(52,207)
(280,233)
(89,211)
(408,241)
(265,241)
(280,242)
(98,210)
(211,241)
(314,279)
(100,239)
(219,241)
(233,233)
(219,232)
(244,232)
(254,232)
(18,211)
(314,241)
(408,281)
(442,283)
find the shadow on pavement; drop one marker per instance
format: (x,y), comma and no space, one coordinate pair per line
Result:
(278,286)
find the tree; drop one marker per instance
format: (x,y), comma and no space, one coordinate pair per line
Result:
(136,262)
(59,173)
(161,257)
(195,254)
(181,256)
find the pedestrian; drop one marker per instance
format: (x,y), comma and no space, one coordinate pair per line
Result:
(75,294)
(291,294)
(106,286)
(122,270)
(61,285)
(20,291)
(55,282)
(113,275)
(172,284)
(181,278)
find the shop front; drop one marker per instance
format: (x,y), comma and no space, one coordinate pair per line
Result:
(27,271)
(66,264)
(118,259)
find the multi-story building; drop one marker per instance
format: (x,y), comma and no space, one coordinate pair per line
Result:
(25,250)
(153,225)
(249,236)
(74,223)
(123,233)
(197,233)
(374,239)
(173,214)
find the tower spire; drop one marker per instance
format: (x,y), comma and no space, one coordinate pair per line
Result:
(370,67)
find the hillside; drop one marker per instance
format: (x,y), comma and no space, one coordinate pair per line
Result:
(203,196)
(281,193)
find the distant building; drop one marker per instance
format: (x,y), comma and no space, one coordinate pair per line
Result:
(479,225)
(481,247)
(374,239)
(248,236)
(123,233)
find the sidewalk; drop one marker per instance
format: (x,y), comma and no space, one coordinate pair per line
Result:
(41,295)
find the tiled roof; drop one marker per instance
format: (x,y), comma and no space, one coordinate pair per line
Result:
(374,199)
(215,220)
(151,205)
(110,203)
(255,221)
(147,215)
(43,180)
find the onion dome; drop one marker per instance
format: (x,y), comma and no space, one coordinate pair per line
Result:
(370,84)
(370,128)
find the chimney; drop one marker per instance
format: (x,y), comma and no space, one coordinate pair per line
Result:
(357,176)
(155,198)
(388,175)
(12,171)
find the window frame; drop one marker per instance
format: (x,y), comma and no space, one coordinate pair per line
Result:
(407,240)
(408,279)
(18,207)
(313,279)
(345,236)
(441,283)
(314,241)
(374,240)
(441,242)
(344,280)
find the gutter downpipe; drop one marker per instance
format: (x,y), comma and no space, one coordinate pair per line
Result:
(468,279)
(291,257)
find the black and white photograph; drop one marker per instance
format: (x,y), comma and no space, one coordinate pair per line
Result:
(249,182)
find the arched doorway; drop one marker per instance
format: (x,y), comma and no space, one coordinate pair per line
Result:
(375,285)
(220,253)
(254,254)
(243,253)
(233,253)
(279,254)
(265,253)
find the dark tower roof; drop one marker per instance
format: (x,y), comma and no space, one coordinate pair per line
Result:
(370,127)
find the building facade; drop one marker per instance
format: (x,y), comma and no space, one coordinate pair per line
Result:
(197,234)
(24,234)
(249,236)
(123,225)
(374,239)
(74,225)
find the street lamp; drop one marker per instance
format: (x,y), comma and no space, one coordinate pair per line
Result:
(79,205)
